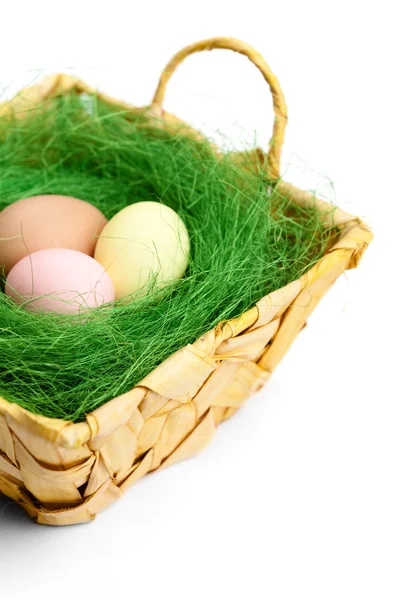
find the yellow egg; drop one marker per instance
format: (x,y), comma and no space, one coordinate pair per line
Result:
(144,246)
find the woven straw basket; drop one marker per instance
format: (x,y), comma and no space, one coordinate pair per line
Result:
(64,473)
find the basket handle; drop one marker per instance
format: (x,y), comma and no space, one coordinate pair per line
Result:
(228,43)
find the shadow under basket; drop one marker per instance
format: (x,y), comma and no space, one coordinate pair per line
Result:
(64,473)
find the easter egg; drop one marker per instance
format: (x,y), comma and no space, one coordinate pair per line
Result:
(59,280)
(144,245)
(48,221)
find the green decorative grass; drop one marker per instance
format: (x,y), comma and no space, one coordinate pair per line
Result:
(245,243)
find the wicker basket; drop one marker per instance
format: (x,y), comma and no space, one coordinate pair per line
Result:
(63,473)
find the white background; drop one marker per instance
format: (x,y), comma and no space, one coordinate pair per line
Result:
(300,495)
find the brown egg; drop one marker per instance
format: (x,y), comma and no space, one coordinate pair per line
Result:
(49,221)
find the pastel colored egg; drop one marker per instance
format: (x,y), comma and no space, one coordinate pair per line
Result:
(49,221)
(144,245)
(59,280)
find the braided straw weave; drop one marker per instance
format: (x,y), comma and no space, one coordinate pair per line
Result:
(63,473)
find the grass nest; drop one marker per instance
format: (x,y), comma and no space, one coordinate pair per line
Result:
(246,241)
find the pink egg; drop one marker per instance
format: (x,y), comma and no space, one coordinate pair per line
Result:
(59,280)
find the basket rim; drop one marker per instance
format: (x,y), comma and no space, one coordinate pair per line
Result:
(353,240)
